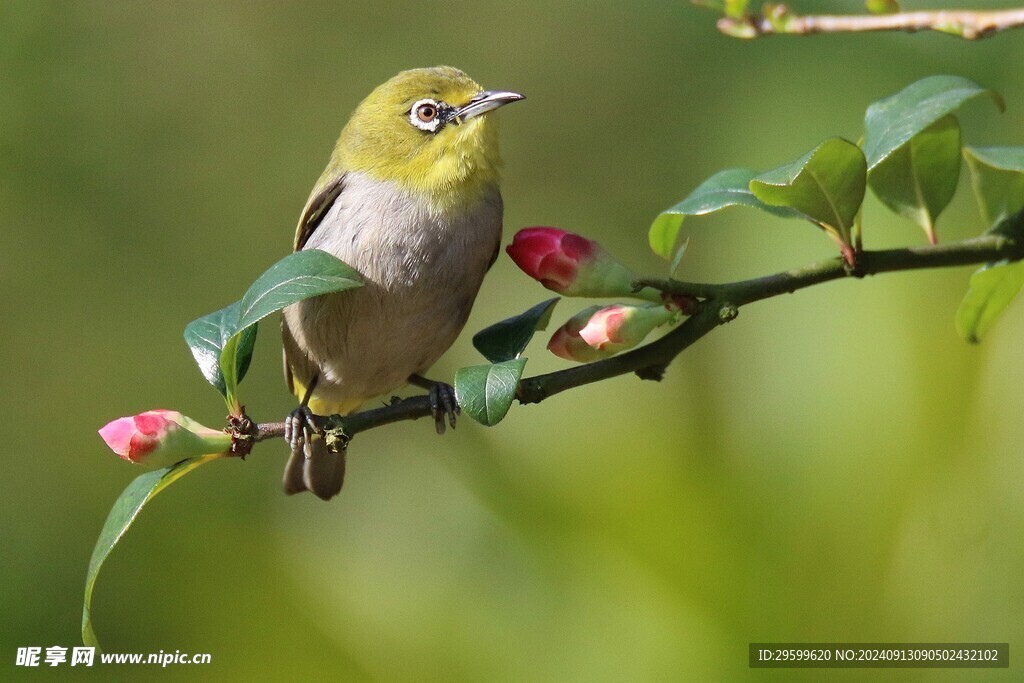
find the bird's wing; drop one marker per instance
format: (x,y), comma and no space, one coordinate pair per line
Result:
(497,201)
(289,376)
(317,206)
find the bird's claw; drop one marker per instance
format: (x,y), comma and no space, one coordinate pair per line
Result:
(300,427)
(443,403)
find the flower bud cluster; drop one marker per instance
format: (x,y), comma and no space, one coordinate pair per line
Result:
(575,266)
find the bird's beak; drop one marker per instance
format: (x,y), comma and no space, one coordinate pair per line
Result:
(488,100)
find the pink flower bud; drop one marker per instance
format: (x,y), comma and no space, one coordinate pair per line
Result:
(566,341)
(599,332)
(619,327)
(162,437)
(571,265)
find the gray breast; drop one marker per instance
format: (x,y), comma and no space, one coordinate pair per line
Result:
(423,269)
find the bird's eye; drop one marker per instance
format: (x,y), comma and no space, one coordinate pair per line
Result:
(428,115)
(426,112)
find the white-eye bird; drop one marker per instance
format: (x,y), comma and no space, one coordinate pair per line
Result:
(410,199)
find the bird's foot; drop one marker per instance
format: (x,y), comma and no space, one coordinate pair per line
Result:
(300,427)
(442,401)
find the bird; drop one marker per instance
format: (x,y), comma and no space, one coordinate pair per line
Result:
(410,199)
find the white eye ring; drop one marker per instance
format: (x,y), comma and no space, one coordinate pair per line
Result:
(426,115)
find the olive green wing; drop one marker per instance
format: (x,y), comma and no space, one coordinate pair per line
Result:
(317,206)
(319,203)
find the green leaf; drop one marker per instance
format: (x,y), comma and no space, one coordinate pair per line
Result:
(126,509)
(485,392)
(826,185)
(997,174)
(664,232)
(992,289)
(222,342)
(507,339)
(918,180)
(234,361)
(726,188)
(678,258)
(207,337)
(892,122)
(857,233)
(301,275)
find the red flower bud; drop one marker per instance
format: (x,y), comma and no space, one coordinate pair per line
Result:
(571,265)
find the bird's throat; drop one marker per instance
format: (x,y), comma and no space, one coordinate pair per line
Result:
(456,168)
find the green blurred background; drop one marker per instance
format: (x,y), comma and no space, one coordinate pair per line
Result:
(835,465)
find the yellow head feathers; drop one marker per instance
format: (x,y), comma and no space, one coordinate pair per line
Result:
(425,130)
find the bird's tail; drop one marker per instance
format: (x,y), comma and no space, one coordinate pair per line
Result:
(322,473)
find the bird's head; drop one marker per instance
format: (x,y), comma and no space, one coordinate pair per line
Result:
(427,130)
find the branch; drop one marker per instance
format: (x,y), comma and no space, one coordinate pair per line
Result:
(778,19)
(398,410)
(984,249)
(719,303)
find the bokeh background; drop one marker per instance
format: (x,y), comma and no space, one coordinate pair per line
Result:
(835,465)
